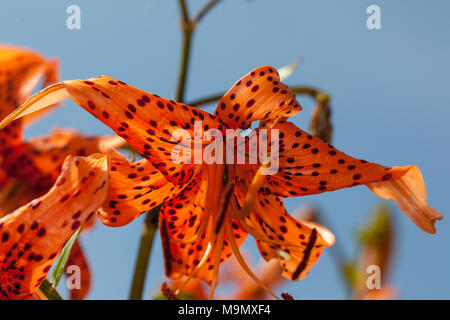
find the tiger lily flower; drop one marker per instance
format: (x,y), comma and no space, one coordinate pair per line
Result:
(33,166)
(29,168)
(210,208)
(32,236)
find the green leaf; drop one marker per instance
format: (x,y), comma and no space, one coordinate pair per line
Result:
(49,291)
(60,264)
(349,271)
(377,226)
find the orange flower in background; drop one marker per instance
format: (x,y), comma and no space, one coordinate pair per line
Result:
(270,273)
(210,208)
(37,161)
(29,168)
(376,249)
(33,166)
(78,258)
(32,236)
(243,288)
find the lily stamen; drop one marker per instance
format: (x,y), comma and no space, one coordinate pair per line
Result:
(241,260)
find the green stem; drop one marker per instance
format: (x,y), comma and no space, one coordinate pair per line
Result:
(314,93)
(206,100)
(184,11)
(188,26)
(204,11)
(187,39)
(145,247)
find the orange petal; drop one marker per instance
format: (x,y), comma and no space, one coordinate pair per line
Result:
(134,189)
(180,219)
(33,235)
(14,194)
(3,176)
(410,194)
(77,258)
(308,165)
(51,76)
(385,293)
(271,220)
(21,70)
(259,95)
(39,160)
(144,120)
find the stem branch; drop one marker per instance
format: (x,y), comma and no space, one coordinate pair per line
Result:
(314,93)
(188,27)
(204,11)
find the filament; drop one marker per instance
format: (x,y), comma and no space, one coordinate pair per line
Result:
(217,256)
(242,262)
(197,269)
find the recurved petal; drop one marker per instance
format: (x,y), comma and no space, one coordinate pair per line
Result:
(33,235)
(308,165)
(271,221)
(149,123)
(134,189)
(411,196)
(259,95)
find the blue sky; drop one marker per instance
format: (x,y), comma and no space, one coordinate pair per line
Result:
(389,92)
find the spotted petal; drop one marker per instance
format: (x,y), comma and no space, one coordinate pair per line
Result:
(134,189)
(180,220)
(259,95)
(146,121)
(33,235)
(308,165)
(39,160)
(297,245)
